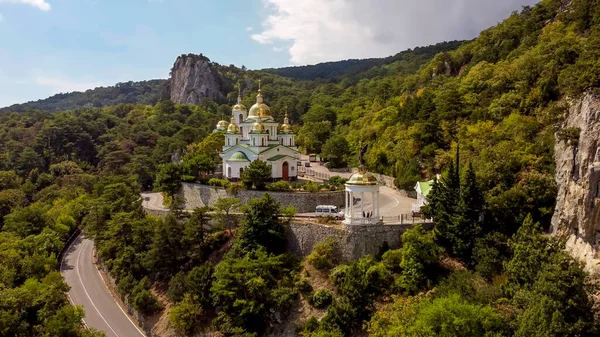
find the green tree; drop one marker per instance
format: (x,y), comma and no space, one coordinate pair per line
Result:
(420,255)
(467,223)
(261,226)
(335,151)
(186,315)
(168,179)
(452,316)
(224,207)
(257,174)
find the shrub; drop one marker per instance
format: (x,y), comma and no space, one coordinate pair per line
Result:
(379,279)
(311,324)
(311,187)
(214,182)
(146,303)
(323,255)
(341,315)
(177,287)
(280,186)
(337,180)
(392,259)
(321,298)
(303,285)
(234,188)
(283,298)
(126,285)
(186,315)
(187,178)
(329,219)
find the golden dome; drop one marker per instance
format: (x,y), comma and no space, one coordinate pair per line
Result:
(362,177)
(258,127)
(222,125)
(264,111)
(259,109)
(239,107)
(233,128)
(286,127)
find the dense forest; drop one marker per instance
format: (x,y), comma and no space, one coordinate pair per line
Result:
(144,92)
(351,69)
(484,114)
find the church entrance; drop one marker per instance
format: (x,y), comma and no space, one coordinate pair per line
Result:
(285,171)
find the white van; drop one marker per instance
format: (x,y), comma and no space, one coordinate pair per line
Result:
(329,210)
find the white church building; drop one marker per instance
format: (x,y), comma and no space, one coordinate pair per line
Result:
(253,135)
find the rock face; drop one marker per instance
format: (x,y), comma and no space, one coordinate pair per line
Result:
(577,156)
(194,79)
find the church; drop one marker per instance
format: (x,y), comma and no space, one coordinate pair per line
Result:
(255,135)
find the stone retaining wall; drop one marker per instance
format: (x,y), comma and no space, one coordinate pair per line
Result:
(353,242)
(197,195)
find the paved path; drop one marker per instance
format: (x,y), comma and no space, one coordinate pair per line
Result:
(88,289)
(153,201)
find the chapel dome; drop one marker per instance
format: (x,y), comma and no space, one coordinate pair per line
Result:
(258,127)
(239,108)
(239,156)
(222,125)
(362,177)
(233,128)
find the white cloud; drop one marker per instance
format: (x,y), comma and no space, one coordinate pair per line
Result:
(249,28)
(325,30)
(62,85)
(40,4)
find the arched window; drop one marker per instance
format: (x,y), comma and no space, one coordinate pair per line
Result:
(262,141)
(253,141)
(281,141)
(241,171)
(229,172)
(241,119)
(237,141)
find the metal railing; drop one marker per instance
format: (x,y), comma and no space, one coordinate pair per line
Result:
(406,219)
(312,173)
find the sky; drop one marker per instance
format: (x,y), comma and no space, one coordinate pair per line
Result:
(53,46)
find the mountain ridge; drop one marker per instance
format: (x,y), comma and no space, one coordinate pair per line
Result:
(152,91)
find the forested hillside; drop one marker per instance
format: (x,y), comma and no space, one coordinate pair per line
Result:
(485,115)
(144,92)
(354,69)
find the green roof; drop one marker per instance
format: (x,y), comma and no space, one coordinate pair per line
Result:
(270,146)
(238,156)
(425,187)
(277,157)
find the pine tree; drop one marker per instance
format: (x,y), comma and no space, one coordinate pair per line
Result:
(466,227)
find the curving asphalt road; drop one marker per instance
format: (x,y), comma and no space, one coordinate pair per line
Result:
(88,289)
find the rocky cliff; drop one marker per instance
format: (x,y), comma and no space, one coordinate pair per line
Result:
(193,79)
(577,156)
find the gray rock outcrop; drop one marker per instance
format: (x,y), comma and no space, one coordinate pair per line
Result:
(577,157)
(194,79)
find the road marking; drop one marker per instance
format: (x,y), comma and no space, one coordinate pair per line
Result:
(124,313)
(62,263)
(393,197)
(89,297)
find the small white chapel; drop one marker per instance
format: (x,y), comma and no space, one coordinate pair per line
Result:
(255,135)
